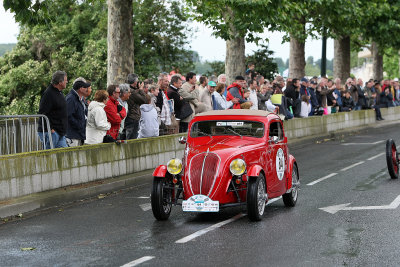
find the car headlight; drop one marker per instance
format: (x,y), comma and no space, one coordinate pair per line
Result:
(237,167)
(174,166)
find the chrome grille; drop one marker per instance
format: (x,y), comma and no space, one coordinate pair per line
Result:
(203,172)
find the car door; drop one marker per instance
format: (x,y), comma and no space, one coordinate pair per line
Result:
(277,158)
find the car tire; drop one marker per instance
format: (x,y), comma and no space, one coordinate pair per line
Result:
(290,198)
(392,159)
(161,199)
(256,197)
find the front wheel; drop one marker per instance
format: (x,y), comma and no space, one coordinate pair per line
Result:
(256,198)
(290,198)
(391,159)
(161,199)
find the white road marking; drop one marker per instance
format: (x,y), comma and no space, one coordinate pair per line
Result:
(146,206)
(333,209)
(323,178)
(351,166)
(374,143)
(143,197)
(376,156)
(217,225)
(208,229)
(138,261)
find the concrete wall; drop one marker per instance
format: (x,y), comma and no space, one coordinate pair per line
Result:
(320,125)
(27,173)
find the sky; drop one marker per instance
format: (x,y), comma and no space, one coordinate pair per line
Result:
(209,47)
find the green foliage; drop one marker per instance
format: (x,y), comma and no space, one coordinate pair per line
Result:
(264,62)
(217,68)
(391,63)
(6,48)
(161,35)
(75,40)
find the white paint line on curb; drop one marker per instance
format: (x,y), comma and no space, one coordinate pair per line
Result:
(215,226)
(145,207)
(138,261)
(323,178)
(352,166)
(376,156)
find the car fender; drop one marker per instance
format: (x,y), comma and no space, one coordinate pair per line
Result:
(160,171)
(254,171)
(291,163)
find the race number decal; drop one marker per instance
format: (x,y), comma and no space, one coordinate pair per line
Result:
(280,164)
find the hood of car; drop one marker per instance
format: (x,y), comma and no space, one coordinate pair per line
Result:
(224,145)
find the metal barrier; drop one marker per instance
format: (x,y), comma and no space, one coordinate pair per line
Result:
(18,133)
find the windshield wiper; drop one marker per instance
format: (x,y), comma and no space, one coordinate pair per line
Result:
(233,131)
(203,133)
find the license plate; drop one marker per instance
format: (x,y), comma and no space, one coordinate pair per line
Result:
(200,203)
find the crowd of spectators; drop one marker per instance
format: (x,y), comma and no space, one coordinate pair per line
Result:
(140,109)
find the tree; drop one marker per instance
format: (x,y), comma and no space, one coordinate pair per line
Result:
(235,22)
(76,41)
(265,64)
(120,53)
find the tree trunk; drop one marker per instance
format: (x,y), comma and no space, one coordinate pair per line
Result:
(297,62)
(119,41)
(377,62)
(235,62)
(341,59)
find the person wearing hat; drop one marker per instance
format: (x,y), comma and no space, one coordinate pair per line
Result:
(76,131)
(206,97)
(235,90)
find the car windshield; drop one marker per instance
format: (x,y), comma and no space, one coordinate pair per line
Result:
(220,127)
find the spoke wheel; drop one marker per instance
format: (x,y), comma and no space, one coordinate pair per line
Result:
(290,198)
(161,199)
(256,198)
(392,159)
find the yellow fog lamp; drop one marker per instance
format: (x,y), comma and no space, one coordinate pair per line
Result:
(174,166)
(237,167)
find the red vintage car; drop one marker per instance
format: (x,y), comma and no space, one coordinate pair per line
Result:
(232,158)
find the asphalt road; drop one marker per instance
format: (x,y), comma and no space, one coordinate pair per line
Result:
(120,229)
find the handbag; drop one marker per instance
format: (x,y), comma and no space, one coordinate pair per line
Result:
(186,111)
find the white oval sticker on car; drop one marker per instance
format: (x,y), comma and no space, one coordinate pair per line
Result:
(280,164)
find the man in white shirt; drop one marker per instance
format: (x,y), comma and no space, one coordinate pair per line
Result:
(253,94)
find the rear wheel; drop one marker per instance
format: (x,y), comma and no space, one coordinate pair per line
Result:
(392,159)
(161,199)
(256,197)
(290,198)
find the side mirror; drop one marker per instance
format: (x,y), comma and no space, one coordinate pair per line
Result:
(273,139)
(182,140)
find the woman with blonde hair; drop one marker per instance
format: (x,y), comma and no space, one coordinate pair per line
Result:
(97,124)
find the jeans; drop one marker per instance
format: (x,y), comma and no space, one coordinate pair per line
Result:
(58,140)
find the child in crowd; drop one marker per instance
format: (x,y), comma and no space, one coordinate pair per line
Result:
(148,124)
(305,106)
(154,90)
(246,95)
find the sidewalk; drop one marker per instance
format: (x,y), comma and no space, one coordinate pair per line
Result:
(67,195)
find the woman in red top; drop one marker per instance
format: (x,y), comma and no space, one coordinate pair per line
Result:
(115,112)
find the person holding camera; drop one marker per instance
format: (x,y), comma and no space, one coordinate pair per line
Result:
(114,111)
(136,99)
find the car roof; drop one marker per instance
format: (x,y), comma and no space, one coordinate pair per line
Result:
(240,112)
